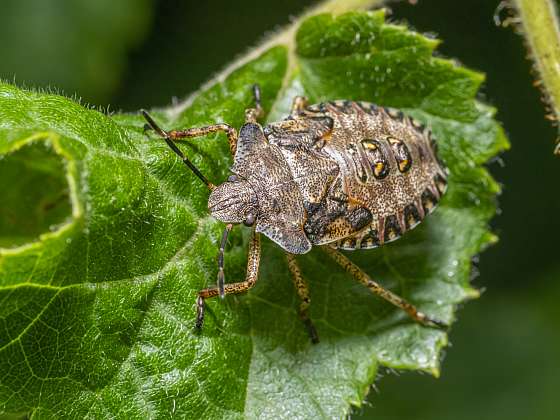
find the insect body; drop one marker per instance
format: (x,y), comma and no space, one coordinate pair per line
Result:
(342,175)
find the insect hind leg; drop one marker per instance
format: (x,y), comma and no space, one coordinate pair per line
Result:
(379,290)
(303,291)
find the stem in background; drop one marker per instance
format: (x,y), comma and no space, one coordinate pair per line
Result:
(286,36)
(539,25)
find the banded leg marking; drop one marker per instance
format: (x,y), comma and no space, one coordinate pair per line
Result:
(203,131)
(379,290)
(303,292)
(170,136)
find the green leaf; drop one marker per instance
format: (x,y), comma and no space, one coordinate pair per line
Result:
(523,320)
(97,310)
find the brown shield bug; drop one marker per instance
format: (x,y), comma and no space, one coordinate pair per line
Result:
(340,175)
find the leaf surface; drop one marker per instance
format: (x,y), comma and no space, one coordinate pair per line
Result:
(97,286)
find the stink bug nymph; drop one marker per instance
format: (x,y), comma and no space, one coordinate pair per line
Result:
(339,175)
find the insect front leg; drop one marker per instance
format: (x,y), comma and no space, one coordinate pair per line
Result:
(298,104)
(253,114)
(203,131)
(195,132)
(233,288)
(303,291)
(170,136)
(379,290)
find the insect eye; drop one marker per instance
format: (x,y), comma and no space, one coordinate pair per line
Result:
(232,178)
(250,220)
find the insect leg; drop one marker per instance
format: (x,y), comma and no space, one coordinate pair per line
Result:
(298,104)
(195,132)
(170,136)
(303,291)
(379,290)
(252,114)
(233,288)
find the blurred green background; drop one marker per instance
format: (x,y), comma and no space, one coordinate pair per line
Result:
(502,363)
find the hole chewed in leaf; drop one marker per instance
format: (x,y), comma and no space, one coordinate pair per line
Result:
(34,194)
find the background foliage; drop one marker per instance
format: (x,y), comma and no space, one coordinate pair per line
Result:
(519,273)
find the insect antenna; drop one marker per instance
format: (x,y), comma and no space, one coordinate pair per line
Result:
(257,98)
(227,230)
(177,151)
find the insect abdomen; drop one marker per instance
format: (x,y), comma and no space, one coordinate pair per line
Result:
(381,163)
(389,165)
(387,229)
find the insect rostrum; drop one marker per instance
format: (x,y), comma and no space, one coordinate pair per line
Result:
(340,175)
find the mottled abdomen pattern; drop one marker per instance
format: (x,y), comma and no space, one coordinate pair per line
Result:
(367,174)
